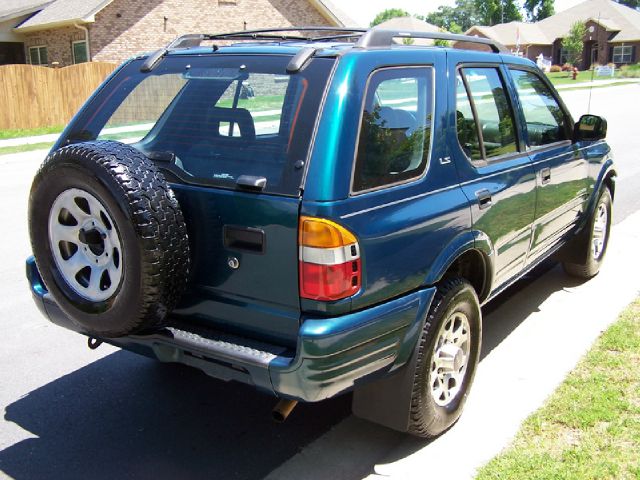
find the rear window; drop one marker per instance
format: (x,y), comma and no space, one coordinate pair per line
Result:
(210,120)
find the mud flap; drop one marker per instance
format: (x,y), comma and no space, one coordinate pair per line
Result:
(387,401)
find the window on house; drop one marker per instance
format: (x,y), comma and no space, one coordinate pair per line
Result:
(80,52)
(564,56)
(38,55)
(622,54)
(395,130)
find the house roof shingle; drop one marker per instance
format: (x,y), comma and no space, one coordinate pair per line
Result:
(625,19)
(17,8)
(507,33)
(611,15)
(64,11)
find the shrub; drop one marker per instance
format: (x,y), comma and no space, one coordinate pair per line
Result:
(555,68)
(567,67)
(630,71)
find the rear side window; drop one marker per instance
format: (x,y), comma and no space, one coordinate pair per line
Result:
(486,99)
(395,130)
(546,122)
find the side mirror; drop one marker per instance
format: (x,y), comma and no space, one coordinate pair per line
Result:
(590,128)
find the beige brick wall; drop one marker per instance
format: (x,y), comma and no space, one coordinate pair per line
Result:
(125,28)
(533,51)
(58,42)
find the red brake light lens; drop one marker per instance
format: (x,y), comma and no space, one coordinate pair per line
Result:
(330,267)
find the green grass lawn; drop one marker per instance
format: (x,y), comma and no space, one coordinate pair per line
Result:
(590,427)
(25,148)
(30,132)
(564,78)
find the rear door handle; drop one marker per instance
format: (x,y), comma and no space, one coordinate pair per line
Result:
(484,198)
(545,173)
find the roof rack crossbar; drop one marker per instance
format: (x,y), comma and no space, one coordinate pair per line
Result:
(384,38)
(294,29)
(192,40)
(367,38)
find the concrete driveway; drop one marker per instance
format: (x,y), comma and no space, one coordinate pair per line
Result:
(70,412)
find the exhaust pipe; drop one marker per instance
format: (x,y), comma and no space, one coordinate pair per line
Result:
(282,409)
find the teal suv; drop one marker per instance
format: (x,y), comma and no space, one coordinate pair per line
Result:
(313,211)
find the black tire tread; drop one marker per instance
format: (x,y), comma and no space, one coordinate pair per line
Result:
(590,267)
(418,422)
(157,220)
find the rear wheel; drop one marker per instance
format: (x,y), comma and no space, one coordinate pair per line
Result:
(447,358)
(594,240)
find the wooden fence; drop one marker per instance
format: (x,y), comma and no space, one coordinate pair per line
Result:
(33,96)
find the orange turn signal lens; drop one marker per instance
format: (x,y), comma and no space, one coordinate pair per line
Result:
(321,233)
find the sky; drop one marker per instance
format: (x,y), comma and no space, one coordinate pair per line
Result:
(363,11)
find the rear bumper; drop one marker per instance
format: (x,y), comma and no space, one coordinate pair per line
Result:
(332,354)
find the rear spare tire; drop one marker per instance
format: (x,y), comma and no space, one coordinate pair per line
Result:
(109,237)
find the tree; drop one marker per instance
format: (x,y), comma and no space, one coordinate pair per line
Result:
(443,17)
(573,43)
(539,9)
(547,9)
(388,14)
(492,12)
(463,15)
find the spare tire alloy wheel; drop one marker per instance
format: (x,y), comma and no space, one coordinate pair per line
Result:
(109,238)
(85,244)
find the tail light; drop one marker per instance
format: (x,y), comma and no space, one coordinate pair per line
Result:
(329,260)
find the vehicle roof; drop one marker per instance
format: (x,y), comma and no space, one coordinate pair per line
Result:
(317,41)
(328,49)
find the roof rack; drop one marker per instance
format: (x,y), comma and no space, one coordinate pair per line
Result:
(376,37)
(366,38)
(270,34)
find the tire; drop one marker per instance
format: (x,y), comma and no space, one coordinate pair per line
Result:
(109,238)
(594,240)
(455,302)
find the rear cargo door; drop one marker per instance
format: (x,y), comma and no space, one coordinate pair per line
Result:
(232,134)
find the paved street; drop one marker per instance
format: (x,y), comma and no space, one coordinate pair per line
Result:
(69,412)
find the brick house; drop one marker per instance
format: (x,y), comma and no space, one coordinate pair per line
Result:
(613,34)
(64,32)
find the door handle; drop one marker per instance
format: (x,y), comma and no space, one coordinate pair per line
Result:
(545,173)
(484,198)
